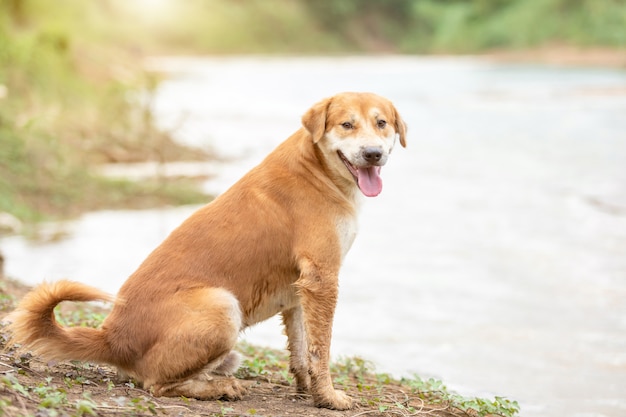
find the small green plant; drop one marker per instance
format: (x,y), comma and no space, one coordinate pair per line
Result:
(13,384)
(84,316)
(224,411)
(252,368)
(7,302)
(425,387)
(49,395)
(86,406)
(435,391)
(498,406)
(142,404)
(268,364)
(4,404)
(351,367)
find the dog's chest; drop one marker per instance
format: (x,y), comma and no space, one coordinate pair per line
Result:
(347,228)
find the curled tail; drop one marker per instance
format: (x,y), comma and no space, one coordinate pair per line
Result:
(33,326)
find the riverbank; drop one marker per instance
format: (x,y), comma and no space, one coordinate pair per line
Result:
(562,55)
(31,386)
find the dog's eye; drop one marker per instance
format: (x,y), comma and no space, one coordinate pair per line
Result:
(381,124)
(347,125)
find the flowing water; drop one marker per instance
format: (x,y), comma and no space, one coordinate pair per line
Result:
(495,257)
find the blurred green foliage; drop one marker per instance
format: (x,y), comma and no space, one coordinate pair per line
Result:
(461,26)
(69,100)
(332,26)
(424,26)
(322,26)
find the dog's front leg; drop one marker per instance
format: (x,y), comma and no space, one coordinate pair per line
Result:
(317,287)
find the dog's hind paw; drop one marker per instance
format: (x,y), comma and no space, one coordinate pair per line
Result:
(232,389)
(215,388)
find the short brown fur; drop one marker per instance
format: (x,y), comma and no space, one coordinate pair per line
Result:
(273,243)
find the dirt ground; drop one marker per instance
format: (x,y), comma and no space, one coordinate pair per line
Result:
(263,399)
(30,386)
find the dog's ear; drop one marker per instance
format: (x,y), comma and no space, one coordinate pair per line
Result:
(401,128)
(314,120)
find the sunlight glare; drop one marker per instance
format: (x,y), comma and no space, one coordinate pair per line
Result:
(151,7)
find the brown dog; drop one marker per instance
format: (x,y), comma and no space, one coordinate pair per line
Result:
(273,243)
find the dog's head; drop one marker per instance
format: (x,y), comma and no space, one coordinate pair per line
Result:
(356,133)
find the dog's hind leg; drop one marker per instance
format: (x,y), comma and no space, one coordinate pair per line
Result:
(193,357)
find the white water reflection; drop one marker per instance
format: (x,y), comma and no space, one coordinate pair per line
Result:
(495,256)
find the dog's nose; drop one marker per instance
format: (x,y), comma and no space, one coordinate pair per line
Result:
(372,154)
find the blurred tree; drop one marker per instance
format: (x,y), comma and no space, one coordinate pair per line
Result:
(15,9)
(334,14)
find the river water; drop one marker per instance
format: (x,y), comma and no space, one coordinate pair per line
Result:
(495,257)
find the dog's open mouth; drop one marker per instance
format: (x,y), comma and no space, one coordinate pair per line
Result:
(367,178)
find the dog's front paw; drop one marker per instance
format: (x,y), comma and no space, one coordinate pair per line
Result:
(334,400)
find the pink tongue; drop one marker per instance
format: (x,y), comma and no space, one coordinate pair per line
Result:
(369,181)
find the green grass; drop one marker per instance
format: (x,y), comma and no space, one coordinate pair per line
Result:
(360,374)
